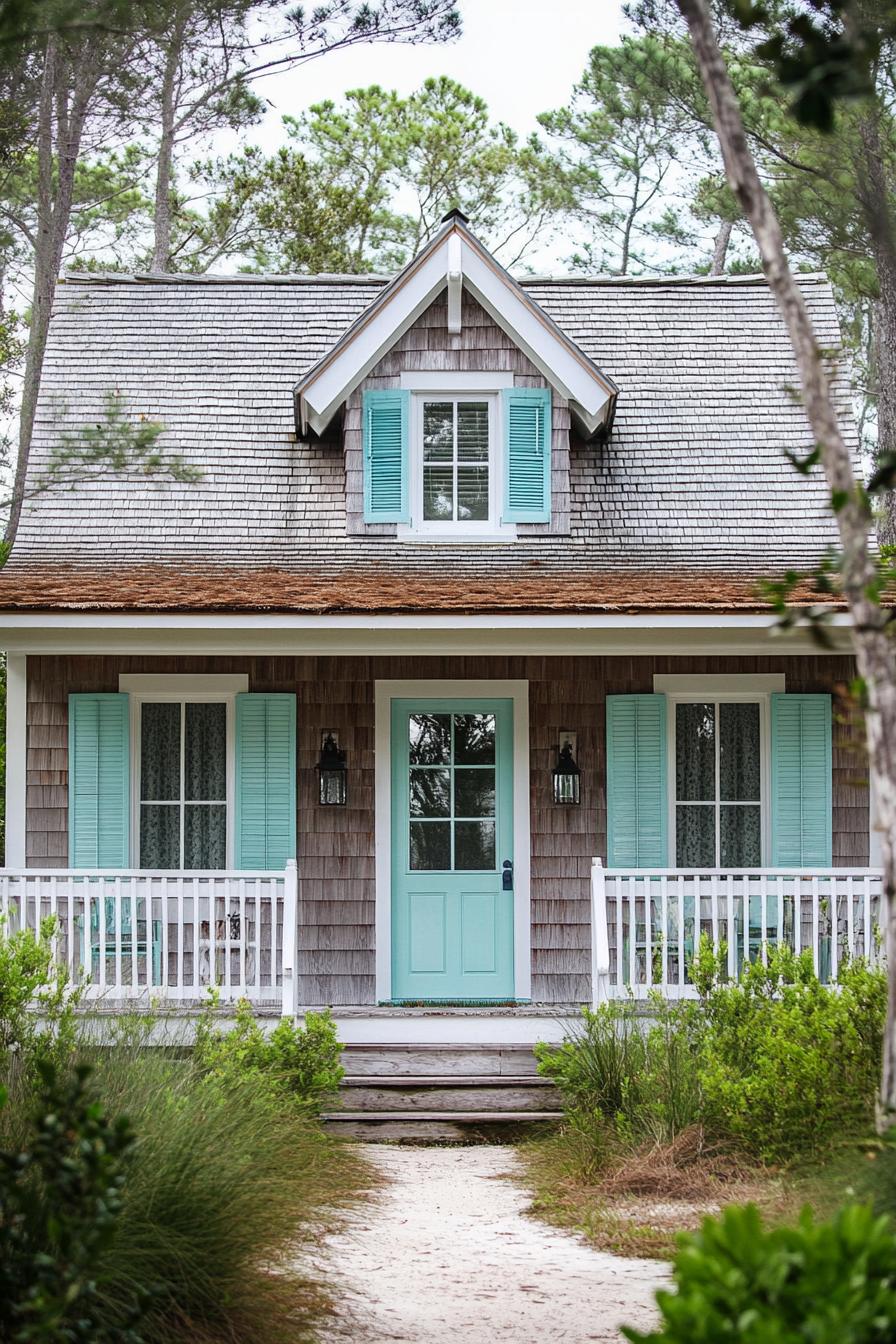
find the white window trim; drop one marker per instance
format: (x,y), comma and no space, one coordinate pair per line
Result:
(457,387)
(518,692)
(177,688)
(756,689)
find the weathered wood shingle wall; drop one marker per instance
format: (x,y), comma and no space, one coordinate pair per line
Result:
(336,846)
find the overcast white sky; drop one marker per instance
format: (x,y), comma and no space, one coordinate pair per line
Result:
(521,56)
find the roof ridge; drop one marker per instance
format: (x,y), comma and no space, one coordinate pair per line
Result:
(331,278)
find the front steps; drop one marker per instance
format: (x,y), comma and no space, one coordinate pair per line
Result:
(440,1093)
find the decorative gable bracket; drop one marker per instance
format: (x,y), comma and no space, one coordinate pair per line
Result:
(454,259)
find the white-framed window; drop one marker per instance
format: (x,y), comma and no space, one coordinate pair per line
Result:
(718,755)
(456,475)
(182,754)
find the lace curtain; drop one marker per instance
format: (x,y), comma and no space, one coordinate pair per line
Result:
(199,808)
(698,800)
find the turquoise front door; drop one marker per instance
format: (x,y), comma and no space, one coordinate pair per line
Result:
(452,850)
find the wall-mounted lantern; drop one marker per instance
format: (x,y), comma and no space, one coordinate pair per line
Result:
(567,777)
(332,773)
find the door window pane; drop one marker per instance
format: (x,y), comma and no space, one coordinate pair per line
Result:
(474,739)
(160,836)
(474,845)
(740,837)
(695,837)
(695,753)
(430,793)
(474,793)
(205,752)
(429,739)
(430,845)
(160,752)
(739,753)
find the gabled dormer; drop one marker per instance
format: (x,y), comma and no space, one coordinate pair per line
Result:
(457,393)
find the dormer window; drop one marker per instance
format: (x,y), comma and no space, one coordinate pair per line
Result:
(454,476)
(457,463)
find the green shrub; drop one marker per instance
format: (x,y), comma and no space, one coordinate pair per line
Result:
(297,1062)
(828,1283)
(777,1066)
(60,1206)
(786,1064)
(636,1075)
(37,1002)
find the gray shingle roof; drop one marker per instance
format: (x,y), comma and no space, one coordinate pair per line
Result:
(694,475)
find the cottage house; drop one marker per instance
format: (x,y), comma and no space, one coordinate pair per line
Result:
(447,695)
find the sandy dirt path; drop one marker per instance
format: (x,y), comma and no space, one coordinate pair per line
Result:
(445,1251)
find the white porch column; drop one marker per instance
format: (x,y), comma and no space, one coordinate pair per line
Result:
(600,943)
(290,915)
(16,695)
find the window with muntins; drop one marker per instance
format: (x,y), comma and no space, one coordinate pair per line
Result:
(718,784)
(182,785)
(455,462)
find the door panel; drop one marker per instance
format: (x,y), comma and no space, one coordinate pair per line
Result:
(452,831)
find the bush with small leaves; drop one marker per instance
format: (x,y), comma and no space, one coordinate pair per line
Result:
(825,1282)
(299,1063)
(61,1197)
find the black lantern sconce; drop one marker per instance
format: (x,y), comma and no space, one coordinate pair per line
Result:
(567,777)
(332,773)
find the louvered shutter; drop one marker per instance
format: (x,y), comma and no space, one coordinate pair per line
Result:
(801,807)
(385,417)
(99,785)
(265,819)
(527,455)
(637,807)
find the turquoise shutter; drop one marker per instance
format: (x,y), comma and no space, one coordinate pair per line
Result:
(527,455)
(99,782)
(801,806)
(265,819)
(385,417)
(637,808)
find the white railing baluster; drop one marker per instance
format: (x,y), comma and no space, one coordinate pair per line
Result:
(228,986)
(197,939)
(866,920)
(648,937)
(732,927)
(779,910)
(680,885)
(797,915)
(763,916)
(631,894)
(620,972)
(258,939)
(714,911)
(664,946)
(117,930)
(242,899)
(850,919)
(816,932)
(835,930)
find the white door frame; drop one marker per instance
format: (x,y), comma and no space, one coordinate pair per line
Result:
(518,692)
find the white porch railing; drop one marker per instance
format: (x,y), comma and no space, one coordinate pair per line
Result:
(131,934)
(646,925)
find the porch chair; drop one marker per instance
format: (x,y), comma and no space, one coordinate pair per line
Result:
(152,955)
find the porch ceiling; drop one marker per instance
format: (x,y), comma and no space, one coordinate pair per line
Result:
(166,588)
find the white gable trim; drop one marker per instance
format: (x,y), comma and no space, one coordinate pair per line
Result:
(452,260)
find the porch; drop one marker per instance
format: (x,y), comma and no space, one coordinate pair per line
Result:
(134,938)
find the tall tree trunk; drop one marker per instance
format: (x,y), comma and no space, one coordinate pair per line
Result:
(161,252)
(720,250)
(874,195)
(68,85)
(873,645)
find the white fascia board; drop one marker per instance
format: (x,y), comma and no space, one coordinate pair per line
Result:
(564,369)
(353,636)
(326,392)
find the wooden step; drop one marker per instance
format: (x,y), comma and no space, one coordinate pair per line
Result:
(399,1080)
(416,1060)
(431,1126)
(477,1095)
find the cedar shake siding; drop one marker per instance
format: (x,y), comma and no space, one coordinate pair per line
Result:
(336,845)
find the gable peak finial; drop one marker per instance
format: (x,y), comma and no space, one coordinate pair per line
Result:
(455,213)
